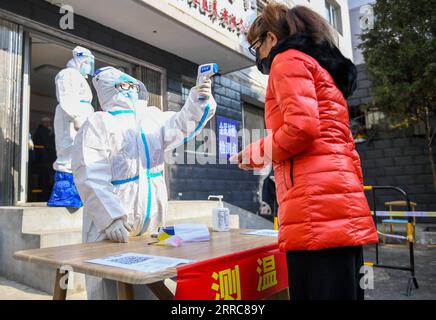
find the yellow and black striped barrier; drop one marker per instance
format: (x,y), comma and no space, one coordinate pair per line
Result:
(410,231)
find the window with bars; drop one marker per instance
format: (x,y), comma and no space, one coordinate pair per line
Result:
(186,88)
(153,82)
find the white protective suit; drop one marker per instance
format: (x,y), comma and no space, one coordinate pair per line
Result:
(118,161)
(74,96)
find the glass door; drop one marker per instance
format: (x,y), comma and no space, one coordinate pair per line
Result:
(11,61)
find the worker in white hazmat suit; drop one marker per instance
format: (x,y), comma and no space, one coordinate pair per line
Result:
(74,96)
(119,157)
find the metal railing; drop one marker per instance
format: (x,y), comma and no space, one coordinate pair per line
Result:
(410,239)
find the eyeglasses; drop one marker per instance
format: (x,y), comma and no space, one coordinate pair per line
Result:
(252,49)
(125,86)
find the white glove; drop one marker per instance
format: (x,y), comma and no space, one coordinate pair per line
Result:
(204,90)
(118,231)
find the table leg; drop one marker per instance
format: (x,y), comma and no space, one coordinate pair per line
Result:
(281,295)
(161,291)
(125,291)
(60,285)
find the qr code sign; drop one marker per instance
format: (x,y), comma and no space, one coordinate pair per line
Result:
(129,260)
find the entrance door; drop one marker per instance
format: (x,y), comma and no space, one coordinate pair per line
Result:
(48,56)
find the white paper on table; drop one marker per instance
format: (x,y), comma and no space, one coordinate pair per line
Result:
(140,262)
(263,233)
(192,232)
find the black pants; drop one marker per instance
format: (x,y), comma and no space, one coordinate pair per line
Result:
(330,274)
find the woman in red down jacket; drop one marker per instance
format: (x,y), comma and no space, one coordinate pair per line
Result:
(323,212)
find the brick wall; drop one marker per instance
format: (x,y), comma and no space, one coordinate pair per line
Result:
(399,158)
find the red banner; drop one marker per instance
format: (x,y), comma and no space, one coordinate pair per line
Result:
(247,275)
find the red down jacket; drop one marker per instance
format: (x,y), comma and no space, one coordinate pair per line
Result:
(317,169)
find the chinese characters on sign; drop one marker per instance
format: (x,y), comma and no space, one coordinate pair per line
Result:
(227,136)
(267,273)
(229,286)
(225,12)
(248,275)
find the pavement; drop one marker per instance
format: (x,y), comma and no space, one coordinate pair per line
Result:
(10,290)
(391,284)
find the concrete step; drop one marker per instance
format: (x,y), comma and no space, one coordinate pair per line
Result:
(33,227)
(37,220)
(427,235)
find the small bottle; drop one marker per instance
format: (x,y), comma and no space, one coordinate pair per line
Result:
(220,216)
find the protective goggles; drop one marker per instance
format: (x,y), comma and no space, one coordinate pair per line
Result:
(126,86)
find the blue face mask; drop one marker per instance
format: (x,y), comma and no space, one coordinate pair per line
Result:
(86,69)
(131,94)
(86,65)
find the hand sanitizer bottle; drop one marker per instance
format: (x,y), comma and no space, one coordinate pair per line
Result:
(220,216)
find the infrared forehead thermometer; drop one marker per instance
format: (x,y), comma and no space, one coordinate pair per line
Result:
(205,72)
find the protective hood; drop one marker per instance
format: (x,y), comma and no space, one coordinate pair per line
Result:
(72,64)
(83,61)
(111,98)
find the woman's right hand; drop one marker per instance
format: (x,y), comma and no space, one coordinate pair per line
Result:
(238,158)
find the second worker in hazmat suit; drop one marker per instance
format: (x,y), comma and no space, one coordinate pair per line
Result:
(74,96)
(118,161)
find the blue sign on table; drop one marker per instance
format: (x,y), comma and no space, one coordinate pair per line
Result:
(227,136)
